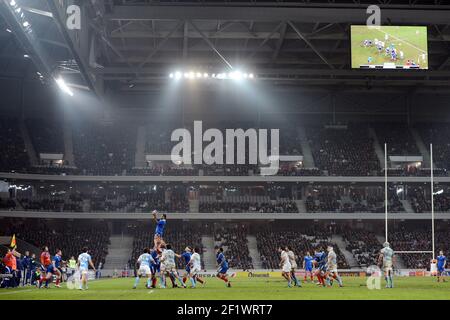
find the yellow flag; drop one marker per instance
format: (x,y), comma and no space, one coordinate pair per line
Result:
(13,241)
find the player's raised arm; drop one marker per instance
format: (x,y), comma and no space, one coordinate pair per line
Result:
(155,218)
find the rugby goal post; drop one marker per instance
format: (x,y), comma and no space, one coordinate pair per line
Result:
(386,203)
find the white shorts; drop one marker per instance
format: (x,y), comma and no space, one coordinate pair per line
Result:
(83,271)
(195,270)
(144,270)
(167,267)
(286,267)
(332,268)
(387,266)
(293,266)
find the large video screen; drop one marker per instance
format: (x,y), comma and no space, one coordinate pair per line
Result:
(389,47)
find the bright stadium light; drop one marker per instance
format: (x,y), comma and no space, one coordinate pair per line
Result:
(12,3)
(8,30)
(63,86)
(200,74)
(26,24)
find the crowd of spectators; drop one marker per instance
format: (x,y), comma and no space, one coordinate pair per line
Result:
(418,239)
(300,242)
(238,207)
(233,239)
(398,137)
(46,135)
(7,204)
(104,149)
(343,151)
(364,246)
(420,199)
(14,155)
(437,134)
(345,199)
(68,236)
(107,199)
(109,149)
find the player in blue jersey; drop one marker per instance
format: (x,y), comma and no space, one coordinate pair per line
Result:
(441,264)
(159,231)
(84,261)
(320,259)
(155,267)
(144,261)
(222,266)
(57,262)
(308,266)
(186,258)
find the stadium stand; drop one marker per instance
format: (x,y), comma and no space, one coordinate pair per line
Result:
(47,135)
(68,236)
(233,239)
(14,155)
(334,154)
(104,149)
(307,240)
(350,199)
(398,137)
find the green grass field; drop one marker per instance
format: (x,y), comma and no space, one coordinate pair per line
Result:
(411,40)
(243,288)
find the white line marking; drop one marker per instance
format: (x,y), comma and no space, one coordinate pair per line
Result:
(13,292)
(411,45)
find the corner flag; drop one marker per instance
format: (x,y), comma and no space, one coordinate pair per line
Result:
(13,241)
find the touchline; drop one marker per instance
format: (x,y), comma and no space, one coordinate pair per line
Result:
(238,144)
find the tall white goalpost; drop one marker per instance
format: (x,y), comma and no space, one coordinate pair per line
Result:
(386,201)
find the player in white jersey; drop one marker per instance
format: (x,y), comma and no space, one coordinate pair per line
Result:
(387,258)
(84,261)
(285,265)
(332,269)
(195,267)
(293,262)
(144,261)
(168,266)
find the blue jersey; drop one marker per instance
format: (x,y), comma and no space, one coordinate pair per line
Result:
(441,261)
(57,260)
(187,257)
(308,262)
(84,260)
(221,260)
(145,259)
(160,225)
(155,257)
(321,258)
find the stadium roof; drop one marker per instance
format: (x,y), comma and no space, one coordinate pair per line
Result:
(132,45)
